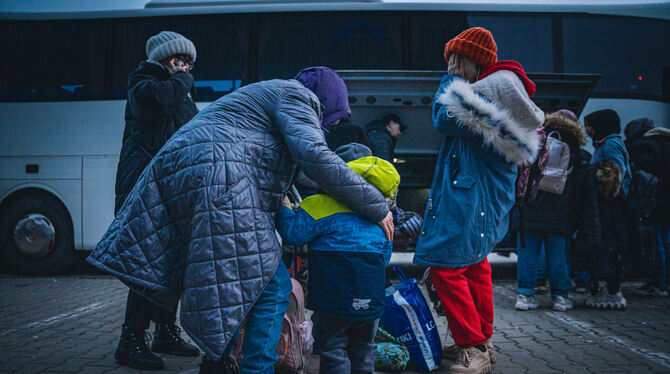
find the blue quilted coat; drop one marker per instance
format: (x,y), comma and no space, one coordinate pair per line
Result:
(199,225)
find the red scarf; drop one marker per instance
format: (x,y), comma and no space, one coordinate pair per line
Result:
(512,66)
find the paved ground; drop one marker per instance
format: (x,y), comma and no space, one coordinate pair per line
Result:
(71,324)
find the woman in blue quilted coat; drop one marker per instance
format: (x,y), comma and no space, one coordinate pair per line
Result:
(199,226)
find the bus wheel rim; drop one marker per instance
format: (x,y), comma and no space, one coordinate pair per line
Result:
(34,235)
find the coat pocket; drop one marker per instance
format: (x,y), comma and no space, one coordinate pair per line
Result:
(463,182)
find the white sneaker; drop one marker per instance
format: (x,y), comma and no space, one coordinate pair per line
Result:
(562,304)
(471,361)
(524,302)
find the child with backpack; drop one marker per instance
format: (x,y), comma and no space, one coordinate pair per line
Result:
(347,269)
(549,214)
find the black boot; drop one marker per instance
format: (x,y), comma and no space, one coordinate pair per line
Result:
(134,352)
(167,339)
(227,365)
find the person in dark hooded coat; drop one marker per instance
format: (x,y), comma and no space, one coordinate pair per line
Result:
(649,149)
(604,127)
(383,135)
(160,101)
(199,226)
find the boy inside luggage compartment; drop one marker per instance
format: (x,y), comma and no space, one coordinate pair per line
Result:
(347,260)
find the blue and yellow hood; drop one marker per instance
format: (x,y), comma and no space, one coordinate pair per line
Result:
(378,172)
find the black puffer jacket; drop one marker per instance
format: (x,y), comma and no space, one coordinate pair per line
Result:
(649,150)
(381,143)
(344,133)
(200,223)
(553,213)
(158,105)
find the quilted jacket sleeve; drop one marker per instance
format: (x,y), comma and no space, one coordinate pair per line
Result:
(296,116)
(296,228)
(167,94)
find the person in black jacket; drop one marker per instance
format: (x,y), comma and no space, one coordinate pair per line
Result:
(551,218)
(160,101)
(649,150)
(383,135)
(610,240)
(343,132)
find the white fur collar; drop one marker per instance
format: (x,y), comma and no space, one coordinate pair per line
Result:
(514,142)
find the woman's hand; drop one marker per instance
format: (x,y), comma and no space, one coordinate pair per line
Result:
(387,225)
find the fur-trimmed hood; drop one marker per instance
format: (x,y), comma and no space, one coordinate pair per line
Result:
(608,179)
(559,122)
(658,131)
(499,109)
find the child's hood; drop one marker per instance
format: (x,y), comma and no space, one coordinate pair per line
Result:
(378,172)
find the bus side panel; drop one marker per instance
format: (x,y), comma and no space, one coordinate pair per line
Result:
(630,109)
(98,197)
(68,191)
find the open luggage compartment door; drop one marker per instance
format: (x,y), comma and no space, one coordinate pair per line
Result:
(409,94)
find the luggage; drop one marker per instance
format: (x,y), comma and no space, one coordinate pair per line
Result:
(408,318)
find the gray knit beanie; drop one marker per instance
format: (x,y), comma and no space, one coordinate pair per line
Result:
(168,43)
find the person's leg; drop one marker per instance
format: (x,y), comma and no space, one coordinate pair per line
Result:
(541,278)
(133,349)
(526,266)
(361,344)
(139,311)
(462,315)
(559,276)
(481,288)
(330,339)
(264,324)
(665,239)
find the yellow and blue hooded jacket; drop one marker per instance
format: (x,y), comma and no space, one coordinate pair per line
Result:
(347,253)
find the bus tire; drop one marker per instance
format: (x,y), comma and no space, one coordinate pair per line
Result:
(36,236)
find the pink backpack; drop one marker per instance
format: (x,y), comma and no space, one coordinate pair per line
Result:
(296,339)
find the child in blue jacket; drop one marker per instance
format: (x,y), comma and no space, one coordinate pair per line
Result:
(347,260)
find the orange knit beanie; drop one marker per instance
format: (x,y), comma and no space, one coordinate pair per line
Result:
(475,44)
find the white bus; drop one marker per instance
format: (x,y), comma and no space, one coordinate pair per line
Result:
(66,63)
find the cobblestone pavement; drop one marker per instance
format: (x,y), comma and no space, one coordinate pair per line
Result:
(71,324)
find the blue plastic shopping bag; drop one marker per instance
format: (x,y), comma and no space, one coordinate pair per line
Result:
(408,318)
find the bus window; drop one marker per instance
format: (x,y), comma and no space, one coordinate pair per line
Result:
(221,42)
(429,32)
(524,38)
(290,42)
(52,60)
(630,53)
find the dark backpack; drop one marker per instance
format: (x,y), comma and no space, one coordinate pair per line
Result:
(642,194)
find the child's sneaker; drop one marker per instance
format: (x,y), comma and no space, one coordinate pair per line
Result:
(606,301)
(562,304)
(491,351)
(471,361)
(524,302)
(649,290)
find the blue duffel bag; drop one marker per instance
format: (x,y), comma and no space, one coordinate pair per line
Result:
(407,317)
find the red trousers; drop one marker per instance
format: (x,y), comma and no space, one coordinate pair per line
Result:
(467,296)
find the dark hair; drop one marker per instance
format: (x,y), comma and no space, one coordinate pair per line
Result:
(391,117)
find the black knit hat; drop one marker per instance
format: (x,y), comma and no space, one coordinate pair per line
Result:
(604,122)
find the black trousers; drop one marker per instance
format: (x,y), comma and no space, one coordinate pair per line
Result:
(140,312)
(607,267)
